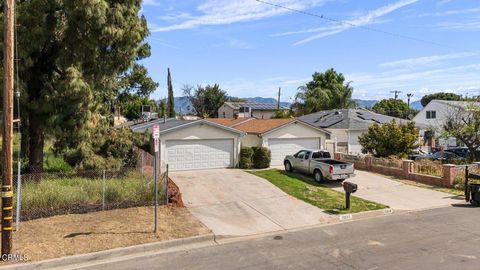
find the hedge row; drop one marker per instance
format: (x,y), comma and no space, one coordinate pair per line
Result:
(255,157)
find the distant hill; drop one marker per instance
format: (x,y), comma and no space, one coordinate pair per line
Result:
(417,105)
(267,100)
(366,103)
(184,106)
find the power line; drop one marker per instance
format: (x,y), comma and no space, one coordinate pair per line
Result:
(323,17)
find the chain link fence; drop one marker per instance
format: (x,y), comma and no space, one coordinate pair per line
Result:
(43,195)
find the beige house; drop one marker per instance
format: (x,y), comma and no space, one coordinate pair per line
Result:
(247,110)
(194,145)
(282,136)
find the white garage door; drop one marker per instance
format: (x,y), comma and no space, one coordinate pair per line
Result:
(283,147)
(199,154)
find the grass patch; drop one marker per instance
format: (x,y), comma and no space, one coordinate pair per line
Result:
(315,194)
(73,194)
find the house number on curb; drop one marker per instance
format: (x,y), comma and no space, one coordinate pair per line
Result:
(346,217)
(388,211)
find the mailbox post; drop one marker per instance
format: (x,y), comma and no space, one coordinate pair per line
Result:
(349,189)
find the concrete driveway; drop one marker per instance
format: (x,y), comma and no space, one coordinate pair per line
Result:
(378,188)
(234,203)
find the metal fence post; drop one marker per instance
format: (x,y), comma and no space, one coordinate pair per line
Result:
(103,190)
(156,190)
(166,183)
(19,196)
(143,153)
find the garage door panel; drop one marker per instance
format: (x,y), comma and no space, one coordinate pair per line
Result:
(283,147)
(199,154)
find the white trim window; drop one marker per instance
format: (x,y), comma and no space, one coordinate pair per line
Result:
(431,114)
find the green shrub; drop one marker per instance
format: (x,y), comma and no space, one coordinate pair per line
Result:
(261,157)
(246,154)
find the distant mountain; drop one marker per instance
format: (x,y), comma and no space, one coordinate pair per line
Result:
(417,105)
(268,100)
(366,103)
(184,106)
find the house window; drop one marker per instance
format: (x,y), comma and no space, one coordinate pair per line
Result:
(431,114)
(244,109)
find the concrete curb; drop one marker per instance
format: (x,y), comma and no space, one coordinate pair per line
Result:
(111,253)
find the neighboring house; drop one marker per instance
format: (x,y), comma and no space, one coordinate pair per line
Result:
(346,125)
(196,144)
(247,110)
(436,113)
(282,136)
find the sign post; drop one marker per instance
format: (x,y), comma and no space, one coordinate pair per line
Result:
(156,137)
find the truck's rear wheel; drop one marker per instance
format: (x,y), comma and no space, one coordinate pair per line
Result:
(288,166)
(318,176)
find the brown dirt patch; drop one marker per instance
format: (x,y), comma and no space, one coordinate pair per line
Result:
(66,235)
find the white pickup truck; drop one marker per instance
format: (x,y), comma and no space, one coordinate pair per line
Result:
(319,164)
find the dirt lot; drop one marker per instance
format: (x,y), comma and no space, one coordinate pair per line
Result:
(83,233)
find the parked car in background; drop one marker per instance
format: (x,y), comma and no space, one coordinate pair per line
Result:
(416,153)
(440,156)
(459,151)
(319,164)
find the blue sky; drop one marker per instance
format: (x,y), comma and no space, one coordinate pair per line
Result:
(251,49)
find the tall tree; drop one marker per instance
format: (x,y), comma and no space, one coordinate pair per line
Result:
(170,98)
(72,56)
(392,107)
(440,96)
(326,91)
(206,100)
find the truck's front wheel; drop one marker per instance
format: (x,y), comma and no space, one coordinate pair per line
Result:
(288,166)
(318,176)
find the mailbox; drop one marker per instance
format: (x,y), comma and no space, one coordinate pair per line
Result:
(349,187)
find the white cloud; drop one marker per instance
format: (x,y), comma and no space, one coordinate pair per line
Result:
(451,12)
(470,25)
(218,12)
(461,78)
(368,19)
(443,2)
(426,60)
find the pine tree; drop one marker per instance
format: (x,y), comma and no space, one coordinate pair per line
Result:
(70,69)
(170,99)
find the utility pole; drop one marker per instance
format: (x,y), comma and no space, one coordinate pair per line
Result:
(279,95)
(8,84)
(396,92)
(409,96)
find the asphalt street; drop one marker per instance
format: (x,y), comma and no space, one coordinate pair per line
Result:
(443,238)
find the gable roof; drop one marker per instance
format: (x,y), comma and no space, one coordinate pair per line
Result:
(254,106)
(259,126)
(352,119)
(229,122)
(458,104)
(173,124)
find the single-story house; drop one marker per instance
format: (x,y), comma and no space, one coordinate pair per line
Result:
(346,125)
(282,136)
(195,144)
(436,113)
(247,110)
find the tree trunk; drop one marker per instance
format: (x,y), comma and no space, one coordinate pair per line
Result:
(36,144)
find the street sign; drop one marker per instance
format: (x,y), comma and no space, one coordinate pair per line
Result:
(156,132)
(156,137)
